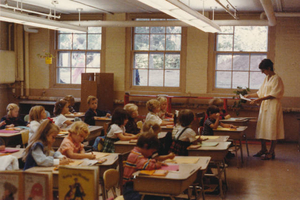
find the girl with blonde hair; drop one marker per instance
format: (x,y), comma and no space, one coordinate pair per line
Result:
(36,116)
(12,119)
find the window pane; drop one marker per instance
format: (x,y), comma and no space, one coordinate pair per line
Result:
(224,42)
(93,59)
(140,77)
(156,77)
(76,75)
(79,41)
(255,60)
(172,78)
(224,62)
(157,29)
(240,79)
(141,60)
(141,29)
(173,42)
(156,61)
(256,79)
(141,42)
(241,62)
(94,42)
(223,79)
(78,59)
(94,29)
(63,75)
(157,42)
(172,61)
(227,29)
(173,29)
(64,59)
(251,38)
(92,70)
(64,41)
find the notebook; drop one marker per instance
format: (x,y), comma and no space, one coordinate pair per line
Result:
(9,150)
(8,131)
(157,172)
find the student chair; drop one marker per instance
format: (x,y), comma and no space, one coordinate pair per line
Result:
(111,180)
(139,124)
(122,157)
(25,138)
(26,118)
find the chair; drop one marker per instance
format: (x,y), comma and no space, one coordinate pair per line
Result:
(111,179)
(47,113)
(139,124)
(25,137)
(122,157)
(26,118)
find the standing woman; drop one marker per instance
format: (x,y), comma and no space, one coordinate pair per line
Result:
(270,119)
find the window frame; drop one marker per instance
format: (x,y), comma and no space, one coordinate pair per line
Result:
(130,52)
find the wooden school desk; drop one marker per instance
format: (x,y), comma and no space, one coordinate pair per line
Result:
(217,154)
(235,134)
(168,128)
(13,139)
(100,121)
(17,154)
(174,183)
(111,162)
(73,115)
(211,138)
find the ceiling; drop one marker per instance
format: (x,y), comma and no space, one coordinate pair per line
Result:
(134,6)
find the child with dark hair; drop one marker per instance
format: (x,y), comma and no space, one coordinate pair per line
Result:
(185,136)
(138,159)
(60,109)
(213,121)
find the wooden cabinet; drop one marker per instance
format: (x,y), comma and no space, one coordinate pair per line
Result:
(100,85)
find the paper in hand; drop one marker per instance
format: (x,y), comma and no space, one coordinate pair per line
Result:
(244,98)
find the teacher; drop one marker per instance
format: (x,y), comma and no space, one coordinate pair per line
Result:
(270,119)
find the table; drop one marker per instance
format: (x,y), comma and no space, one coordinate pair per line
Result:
(235,134)
(78,114)
(111,162)
(100,121)
(95,131)
(220,138)
(124,146)
(174,183)
(236,121)
(13,139)
(168,128)
(17,154)
(217,154)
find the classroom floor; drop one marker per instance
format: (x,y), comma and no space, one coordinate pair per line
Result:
(264,179)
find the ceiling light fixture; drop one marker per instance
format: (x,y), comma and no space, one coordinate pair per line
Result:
(184,13)
(20,18)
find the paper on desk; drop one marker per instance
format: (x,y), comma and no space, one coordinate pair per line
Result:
(209,137)
(244,98)
(187,160)
(209,144)
(100,155)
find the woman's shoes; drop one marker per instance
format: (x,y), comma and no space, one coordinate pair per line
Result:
(260,153)
(269,156)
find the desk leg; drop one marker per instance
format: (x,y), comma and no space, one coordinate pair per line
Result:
(220,180)
(242,159)
(246,141)
(102,188)
(236,153)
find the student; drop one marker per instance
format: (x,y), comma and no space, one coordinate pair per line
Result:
(164,142)
(185,136)
(138,159)
(117,131)
(220,103)
(60,109)
(93,112)
(72,146)
(153,107)
(11,119)
(36,115)
(131,126)
(163,106)
(213,121)
(71,101)
(39,151)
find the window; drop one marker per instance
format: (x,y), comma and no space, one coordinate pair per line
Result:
(239,50)
(77,53)
(156,56)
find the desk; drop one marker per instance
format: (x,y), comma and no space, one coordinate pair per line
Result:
(100,121)
(236,121)
(17,154)
(235,134)
(168,128)
(124,146)
(217,154)
(174,183)
(95,131)
(220,138)
(73,115)
(13,139)
(111,162)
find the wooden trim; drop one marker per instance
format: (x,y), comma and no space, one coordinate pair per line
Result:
(83,16)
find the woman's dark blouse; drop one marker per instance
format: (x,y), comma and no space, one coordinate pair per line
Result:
(90,114)
(12,120)
(131,126)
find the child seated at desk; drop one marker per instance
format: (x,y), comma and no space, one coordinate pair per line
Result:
(93,112)
(71,101)
(39,151)
(116,130)
(36,116)
(138,159)
(213,121)
(60,109)
(163,108)
(11,119)
(131,126)
(164,142)
(153,107)
(185,136)
(72,146)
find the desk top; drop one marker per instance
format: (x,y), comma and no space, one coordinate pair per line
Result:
(220,147)
(212,138)
(236,119)
(73,115)
(13,134)
(38,102)
(103,119)
(17,154)
(238,129)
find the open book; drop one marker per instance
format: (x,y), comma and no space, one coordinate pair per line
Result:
(244,98)
(157,172)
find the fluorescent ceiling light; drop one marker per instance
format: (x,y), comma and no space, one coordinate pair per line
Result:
(184,13)
(19,18)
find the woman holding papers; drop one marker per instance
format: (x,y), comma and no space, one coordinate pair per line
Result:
(270,119)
